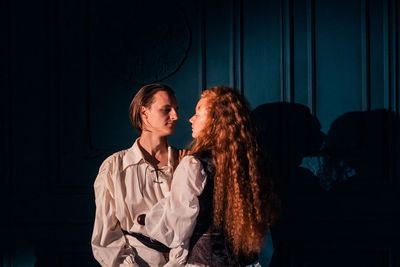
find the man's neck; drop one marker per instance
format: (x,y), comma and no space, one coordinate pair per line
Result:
(155,146)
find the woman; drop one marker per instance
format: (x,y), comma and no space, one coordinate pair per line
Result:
(131,181)
(222,198)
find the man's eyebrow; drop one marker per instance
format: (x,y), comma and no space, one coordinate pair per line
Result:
(169,106)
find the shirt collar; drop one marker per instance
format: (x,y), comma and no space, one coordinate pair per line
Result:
(134,155)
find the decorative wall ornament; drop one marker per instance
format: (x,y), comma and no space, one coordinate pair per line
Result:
(141,44)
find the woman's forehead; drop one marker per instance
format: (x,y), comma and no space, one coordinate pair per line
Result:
(202,105)
(202,102)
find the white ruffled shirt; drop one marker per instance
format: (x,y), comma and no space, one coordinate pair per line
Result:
(172,220)
(126,186)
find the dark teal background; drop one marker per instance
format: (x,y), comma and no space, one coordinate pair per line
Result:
(322,77)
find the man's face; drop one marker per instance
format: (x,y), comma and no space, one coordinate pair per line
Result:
(160,118)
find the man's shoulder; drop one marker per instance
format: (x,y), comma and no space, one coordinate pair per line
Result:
(114,160)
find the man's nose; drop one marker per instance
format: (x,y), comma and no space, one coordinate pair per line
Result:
(174,115)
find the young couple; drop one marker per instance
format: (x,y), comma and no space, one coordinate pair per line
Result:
(214,208)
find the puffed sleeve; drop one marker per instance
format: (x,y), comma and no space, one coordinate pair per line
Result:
(172,220)
(108,242)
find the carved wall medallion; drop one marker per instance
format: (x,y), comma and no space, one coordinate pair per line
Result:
(138,42)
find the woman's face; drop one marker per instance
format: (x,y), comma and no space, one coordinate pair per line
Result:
(199,119)
(160,118)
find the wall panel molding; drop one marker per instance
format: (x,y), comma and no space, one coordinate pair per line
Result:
(393,45)
(88,95)
(390,57)
(365,57)
(311,79)
(386,55)
(6,74)
(237,51)
(287,61)
(57,91)
(237,68)
(202,52)
(396,29)
(390,30)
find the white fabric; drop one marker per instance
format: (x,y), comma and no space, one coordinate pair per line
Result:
(172,220)
(126,186)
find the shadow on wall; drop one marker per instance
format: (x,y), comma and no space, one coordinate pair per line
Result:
(358,144)
(288,133)
(368,143)
(331,184)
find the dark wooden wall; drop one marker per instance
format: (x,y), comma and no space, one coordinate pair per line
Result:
(322,77)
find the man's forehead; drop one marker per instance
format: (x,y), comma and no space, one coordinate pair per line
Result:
(162,98)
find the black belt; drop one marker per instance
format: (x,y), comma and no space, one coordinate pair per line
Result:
(154,244)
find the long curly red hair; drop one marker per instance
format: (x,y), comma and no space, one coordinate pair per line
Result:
(245,203)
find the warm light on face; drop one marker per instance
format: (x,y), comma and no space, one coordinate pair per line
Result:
(162,115)
(199,119)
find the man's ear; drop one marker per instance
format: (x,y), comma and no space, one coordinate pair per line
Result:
(143,112)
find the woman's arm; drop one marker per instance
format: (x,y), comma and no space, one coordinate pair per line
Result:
(172,220)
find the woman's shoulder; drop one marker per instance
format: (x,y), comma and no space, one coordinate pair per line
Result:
(189,176)
(191,165)
(194,166)
(189,161)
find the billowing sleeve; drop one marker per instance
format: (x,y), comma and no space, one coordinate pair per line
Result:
(172,220)
(108,242)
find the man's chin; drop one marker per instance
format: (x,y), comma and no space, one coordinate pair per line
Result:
(170,131)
